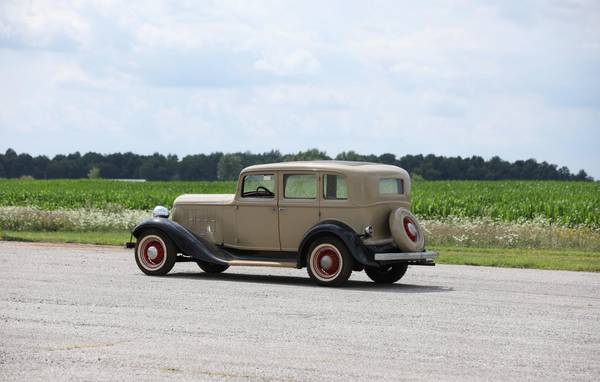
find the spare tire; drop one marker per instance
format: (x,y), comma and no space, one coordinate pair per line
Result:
(406,231)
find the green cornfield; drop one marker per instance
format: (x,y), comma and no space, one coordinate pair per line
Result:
(561,203)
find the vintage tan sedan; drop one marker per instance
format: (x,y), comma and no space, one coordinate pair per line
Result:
(331,217)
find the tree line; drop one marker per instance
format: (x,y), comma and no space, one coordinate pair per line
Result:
(221,166)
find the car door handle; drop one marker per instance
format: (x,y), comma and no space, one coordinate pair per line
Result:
(282,209)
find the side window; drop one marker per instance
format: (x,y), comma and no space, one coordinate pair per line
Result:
(300,186)
(391,186)
(334,187)
(258,186)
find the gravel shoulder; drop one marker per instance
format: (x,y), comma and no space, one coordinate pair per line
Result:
(87,312)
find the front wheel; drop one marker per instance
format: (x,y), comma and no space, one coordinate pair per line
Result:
(155,253)
(328,261)
(387,275)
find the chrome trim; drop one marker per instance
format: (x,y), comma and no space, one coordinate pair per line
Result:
(406,256)
(258,263)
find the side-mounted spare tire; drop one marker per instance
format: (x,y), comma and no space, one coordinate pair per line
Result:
(406,231)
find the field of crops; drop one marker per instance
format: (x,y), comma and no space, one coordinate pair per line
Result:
(561,203)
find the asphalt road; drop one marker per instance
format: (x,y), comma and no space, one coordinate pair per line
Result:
(87,313)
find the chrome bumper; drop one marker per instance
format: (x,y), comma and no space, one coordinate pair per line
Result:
(408,256)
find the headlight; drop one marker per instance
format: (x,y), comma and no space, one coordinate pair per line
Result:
(368,230)
(160,212)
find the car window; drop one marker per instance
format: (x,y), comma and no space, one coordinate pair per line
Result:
(334,187)
(259,186)
(300,186)
(391,186)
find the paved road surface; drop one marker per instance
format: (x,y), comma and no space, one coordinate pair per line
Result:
(87,313)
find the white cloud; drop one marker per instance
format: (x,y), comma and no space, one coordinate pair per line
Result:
(288,64)
(515,79)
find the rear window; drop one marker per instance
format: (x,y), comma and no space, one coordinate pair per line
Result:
(391,186)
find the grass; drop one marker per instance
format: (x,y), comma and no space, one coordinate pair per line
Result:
(102,238)
(561,203)
(521,258)
(493,257)
(471,222)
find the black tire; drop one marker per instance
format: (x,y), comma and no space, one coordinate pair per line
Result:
(386,275)
(328,261)
(158,261)
(212,268)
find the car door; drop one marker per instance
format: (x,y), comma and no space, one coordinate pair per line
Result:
(257,226)
(298,207)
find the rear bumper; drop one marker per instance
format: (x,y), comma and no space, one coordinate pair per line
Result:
(425,257)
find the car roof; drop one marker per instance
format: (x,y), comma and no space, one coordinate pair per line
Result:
(328,165)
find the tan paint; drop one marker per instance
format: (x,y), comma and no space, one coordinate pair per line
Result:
(280,223)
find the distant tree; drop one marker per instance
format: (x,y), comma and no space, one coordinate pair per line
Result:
(159,167)
(387,158)
(94,173)
(311,154)
(10,156)
(109,170)
(582,175)
(354,156)
(39,166)
(229,167)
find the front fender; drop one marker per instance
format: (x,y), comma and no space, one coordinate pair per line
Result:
(187,243)
(342,231)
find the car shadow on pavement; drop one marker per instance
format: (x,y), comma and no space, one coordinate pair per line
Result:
(369,286)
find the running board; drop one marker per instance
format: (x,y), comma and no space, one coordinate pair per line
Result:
(259,263)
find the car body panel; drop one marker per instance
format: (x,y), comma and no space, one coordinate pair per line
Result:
(185,241)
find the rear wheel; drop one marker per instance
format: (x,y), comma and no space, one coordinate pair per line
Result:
(386,275)
(328,261)
(155,253)
(212,268)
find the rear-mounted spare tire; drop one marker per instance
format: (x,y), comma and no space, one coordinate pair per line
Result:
(406,231)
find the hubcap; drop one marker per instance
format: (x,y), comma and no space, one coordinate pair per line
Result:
(152,253)
(326,262)
(411,229)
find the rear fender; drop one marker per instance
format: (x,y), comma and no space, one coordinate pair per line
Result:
(342,231)
(185,241)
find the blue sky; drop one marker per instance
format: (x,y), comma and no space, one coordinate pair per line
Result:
(518,79)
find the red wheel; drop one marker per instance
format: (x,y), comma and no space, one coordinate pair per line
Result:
(410,226)
(326,262)
(329,262)
(154,253)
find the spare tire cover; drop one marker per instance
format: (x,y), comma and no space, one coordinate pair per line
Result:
(406,230)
